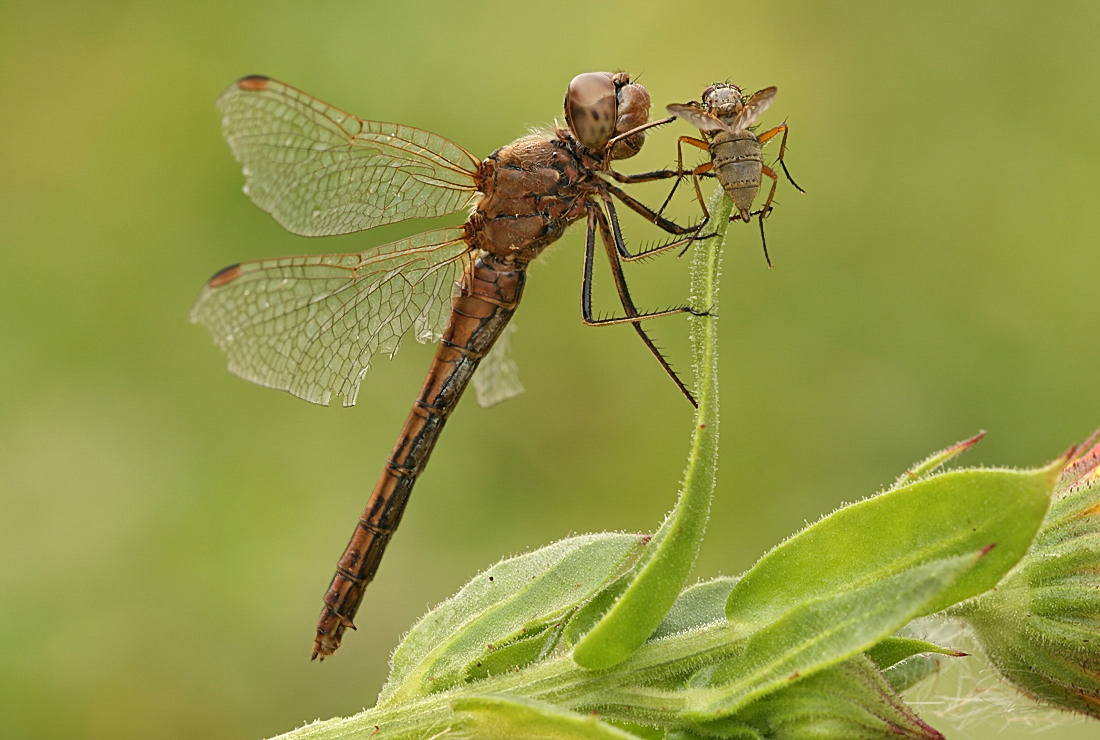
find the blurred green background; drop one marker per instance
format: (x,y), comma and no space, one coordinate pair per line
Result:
(168,530)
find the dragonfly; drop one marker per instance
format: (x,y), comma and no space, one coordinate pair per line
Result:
(725,118)
(312,325)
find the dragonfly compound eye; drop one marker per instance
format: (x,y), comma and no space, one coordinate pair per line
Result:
(590,108)
(633,111)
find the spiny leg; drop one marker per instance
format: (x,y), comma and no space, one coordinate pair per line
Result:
(620,243)
(637,129)
(678,173)
(767,136)
(648,213)
(596,220)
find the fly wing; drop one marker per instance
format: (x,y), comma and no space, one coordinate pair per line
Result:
(497,378)
(698,118)
(321,171)
(311,325)
(754,106)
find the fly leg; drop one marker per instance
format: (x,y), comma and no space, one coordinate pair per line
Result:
(767,136)
(597,220)
(766,209)
(695,174)
(764,138)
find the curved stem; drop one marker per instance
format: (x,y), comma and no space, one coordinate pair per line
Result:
(649,590)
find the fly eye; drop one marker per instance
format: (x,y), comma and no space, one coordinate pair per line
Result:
(590,108)
(723,94)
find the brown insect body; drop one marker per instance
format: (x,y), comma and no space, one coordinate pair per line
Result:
(311,324)
(533,189)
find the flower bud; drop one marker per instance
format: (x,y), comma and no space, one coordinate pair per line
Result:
(1041,626)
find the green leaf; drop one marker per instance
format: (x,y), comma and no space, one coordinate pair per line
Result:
(521,597)
(949,514)
(701,604)
(906,661)
(911,671)
(727,730)
(929,464)
(893,650)
(641,602)
(849,700)
(509,717)
(819,633)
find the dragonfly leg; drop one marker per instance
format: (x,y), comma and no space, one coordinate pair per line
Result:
(678,173)
(597,220)
(642,176)
(620,244)
(767,136)
(648,213)
(637,129)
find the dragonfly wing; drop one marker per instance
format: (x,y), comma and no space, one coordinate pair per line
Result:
(321,171)
(698,118)
(754,106)
(311,325)
(497,377)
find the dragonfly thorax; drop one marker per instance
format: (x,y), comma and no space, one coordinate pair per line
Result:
(532,190)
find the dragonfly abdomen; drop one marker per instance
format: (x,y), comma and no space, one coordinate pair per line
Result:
(485,300)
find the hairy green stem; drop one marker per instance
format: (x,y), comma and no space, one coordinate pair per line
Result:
(656,580)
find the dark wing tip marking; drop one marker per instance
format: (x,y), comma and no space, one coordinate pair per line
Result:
(224,276)
(256,83)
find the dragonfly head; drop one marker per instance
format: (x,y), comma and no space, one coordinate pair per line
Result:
(602,105)
(724,101)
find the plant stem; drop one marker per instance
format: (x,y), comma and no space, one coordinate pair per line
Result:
(656,580)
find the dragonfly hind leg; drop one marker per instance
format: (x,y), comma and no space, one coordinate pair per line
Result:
(597,220)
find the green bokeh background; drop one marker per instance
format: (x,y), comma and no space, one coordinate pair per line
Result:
(168,530)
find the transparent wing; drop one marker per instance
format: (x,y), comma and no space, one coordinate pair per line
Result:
(698,118)
(497,377)
(311,325)
(321,171)
(754,106)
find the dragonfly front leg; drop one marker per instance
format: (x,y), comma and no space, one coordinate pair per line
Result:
(648,213)
(620,243)
(678,173)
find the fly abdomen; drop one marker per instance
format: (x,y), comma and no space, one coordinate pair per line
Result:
(738,164)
